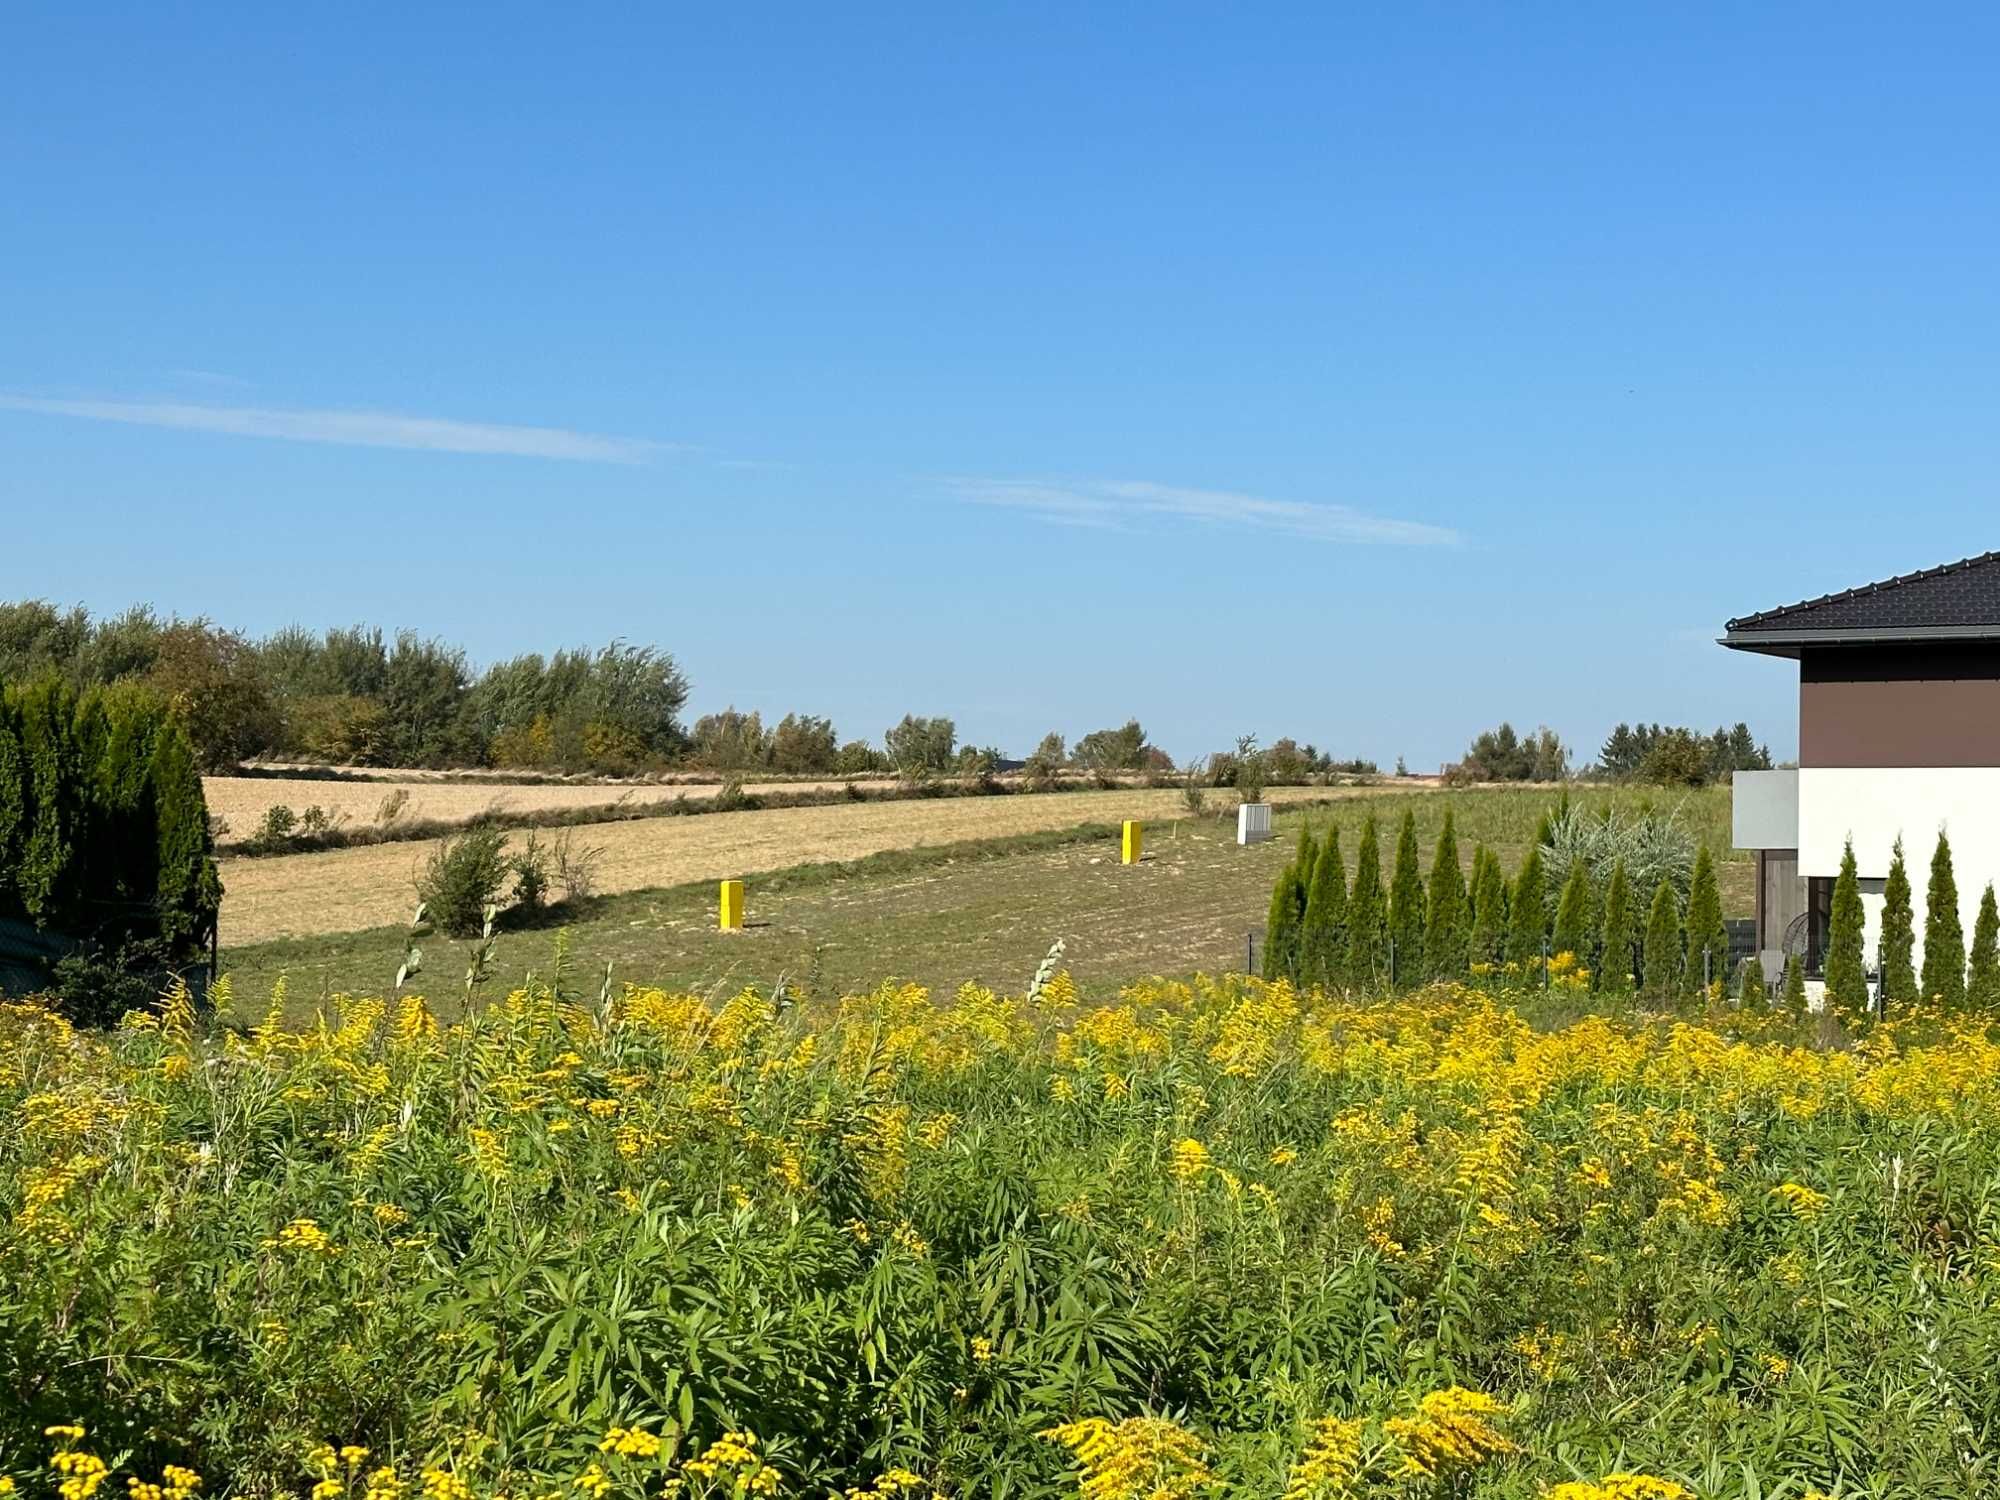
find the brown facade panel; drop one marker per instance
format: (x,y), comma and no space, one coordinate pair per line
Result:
(1899,722)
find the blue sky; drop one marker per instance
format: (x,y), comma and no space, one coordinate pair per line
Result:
(1363,374)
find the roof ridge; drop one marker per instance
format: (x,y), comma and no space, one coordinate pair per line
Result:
(1751,621)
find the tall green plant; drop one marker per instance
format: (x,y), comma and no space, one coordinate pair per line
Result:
(1944,933)
(1707,938)
(1615,943)
(1528,911)
(1982,984)
(14,808)
(1754,993)
(1281,923)
(1367,913)
(1323,936)
(1660,976)
(1406,907)
(1488,933)
(1573,930)
(1795,984)
(1846,980)
(1447,923)
(48,877)
(1896,948)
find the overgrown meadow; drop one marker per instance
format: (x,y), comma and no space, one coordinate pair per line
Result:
(1219,1237)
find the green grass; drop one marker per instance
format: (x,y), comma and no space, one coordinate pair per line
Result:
(985,911)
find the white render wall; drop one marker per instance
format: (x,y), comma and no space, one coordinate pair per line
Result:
(1875,805)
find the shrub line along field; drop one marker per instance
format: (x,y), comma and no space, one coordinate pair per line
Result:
(343,889)
(986,911)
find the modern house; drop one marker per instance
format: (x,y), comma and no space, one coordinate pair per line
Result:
(1899,734)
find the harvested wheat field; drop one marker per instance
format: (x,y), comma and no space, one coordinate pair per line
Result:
(242,800)
(340,890)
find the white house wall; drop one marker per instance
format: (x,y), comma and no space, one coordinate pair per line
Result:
(1874,805)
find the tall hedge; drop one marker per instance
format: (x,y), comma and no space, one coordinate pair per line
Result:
(13,797)
(104,833)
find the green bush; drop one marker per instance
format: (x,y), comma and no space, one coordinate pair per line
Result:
(462,878)
(105,847)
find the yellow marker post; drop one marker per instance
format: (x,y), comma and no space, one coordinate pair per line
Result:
(732,906)
(1129,844)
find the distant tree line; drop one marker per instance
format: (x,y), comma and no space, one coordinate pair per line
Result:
(1505,755)
(359,697)
(1673,756)
(1665,755)
(105,850)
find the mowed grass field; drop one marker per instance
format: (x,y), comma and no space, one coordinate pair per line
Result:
(985,910)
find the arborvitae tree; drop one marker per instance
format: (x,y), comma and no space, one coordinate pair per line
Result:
(1281,926)
(1896,948)
(1660,976)
(1489,907)
(48,876)
(1982,984)
(1573,934)
(1445,925)
(1944,933)
(1705,933)
(1528,911)
(1795,984)
(1754,991)
(1367,914)
(190,890)
(1323,936)
(1406,907)
(1614,949)
(14,810)
(1306,855)
(1846,980)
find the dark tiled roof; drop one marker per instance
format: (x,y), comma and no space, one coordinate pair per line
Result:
(1954,597)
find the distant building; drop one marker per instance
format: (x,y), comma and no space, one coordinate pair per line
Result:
(1899,733)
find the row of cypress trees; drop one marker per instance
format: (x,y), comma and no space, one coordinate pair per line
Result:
(1320,931)
(1948,978)
(104,832)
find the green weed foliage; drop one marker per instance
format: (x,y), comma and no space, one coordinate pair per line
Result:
(1216,1237)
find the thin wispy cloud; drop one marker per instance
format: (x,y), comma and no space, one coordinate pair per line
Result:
(357,429)
(1123,504)
(208,377)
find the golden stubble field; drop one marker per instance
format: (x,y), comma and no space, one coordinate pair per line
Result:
(341,890)
(242,800)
